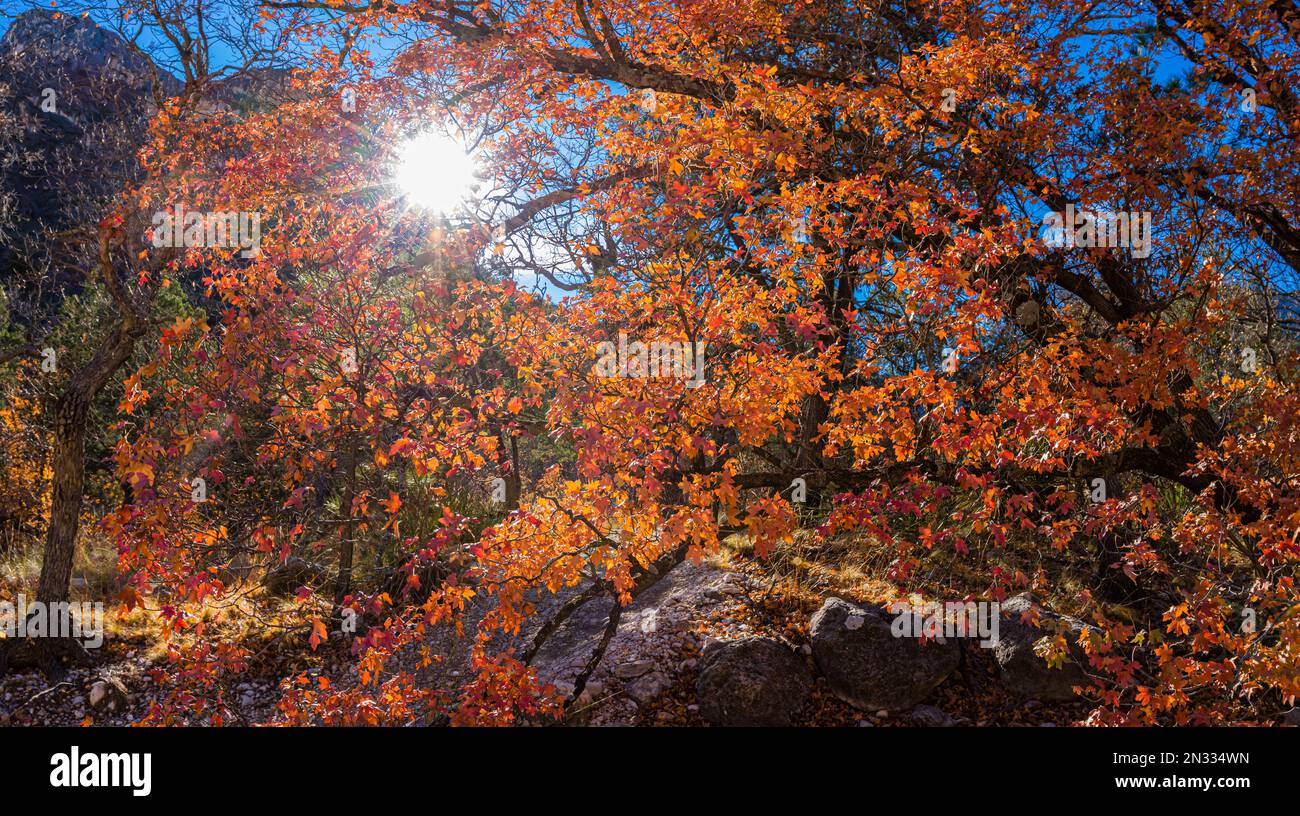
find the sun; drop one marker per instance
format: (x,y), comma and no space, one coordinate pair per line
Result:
(435,172)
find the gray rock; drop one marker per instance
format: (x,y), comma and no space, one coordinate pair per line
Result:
(652,635)
(559,660)
(753,681)
(1022,670)
(867,667)
(931,717)
(633,669)
(647,687)
(108,694)
(566,652)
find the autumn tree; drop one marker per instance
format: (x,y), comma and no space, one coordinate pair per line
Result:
(100,228)
(845,212)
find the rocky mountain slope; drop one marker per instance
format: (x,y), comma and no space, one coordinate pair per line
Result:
(74,104)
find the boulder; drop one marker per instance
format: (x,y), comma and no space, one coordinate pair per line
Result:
(647,687)
(1022,670)
(108,694)
(866,666)
(753,681)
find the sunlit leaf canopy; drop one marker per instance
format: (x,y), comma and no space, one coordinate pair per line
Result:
(844,204)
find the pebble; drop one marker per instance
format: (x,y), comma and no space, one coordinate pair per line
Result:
(927,715)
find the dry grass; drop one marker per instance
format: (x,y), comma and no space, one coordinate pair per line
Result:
(854,566)
(94,569)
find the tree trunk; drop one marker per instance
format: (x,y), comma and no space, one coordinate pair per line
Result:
(70,456)
(814,410)
(69,466)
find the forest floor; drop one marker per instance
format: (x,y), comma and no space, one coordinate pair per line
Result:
(732,596)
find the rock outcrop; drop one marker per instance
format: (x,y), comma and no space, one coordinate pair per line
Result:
(866,666)
(649,652)
(753,681)
(1021,668)
(75,100)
